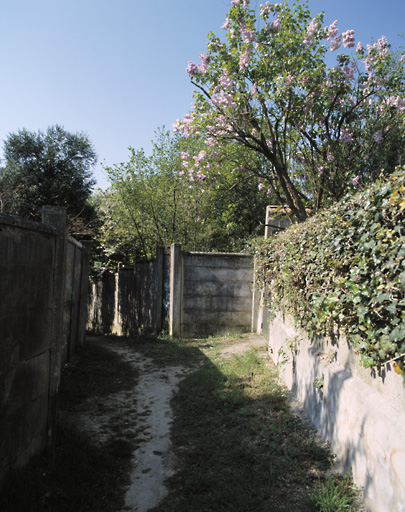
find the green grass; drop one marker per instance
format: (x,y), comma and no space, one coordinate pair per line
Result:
(335,495)
(238,446)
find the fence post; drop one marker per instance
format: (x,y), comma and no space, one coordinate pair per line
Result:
(55,216)
(159,265)
(84,292)
(176,290)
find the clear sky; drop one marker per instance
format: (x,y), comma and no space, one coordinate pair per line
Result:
(115,69)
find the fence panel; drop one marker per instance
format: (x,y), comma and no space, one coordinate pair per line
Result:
(33,330)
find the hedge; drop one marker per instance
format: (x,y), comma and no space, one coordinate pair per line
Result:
(343,271)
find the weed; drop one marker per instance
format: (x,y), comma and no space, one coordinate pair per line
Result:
(336,494)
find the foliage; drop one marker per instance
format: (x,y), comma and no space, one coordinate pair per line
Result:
(319,129)
(252,452)
(335,495)
(345,268)
(151,202)
(52,168)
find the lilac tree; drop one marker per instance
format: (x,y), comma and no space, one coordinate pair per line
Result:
(268,87)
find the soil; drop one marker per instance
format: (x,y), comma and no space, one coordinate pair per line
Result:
(113,447)
(140,415)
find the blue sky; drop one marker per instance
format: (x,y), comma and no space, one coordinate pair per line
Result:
(115,69)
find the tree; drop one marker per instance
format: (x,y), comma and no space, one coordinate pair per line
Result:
(269,89)
(52,168)
(153,201)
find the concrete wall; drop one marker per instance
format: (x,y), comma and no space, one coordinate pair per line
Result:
(132,301)
(360,412)
(33,327)
(27,253)
(210,293)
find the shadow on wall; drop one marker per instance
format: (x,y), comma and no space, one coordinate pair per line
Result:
(359,412)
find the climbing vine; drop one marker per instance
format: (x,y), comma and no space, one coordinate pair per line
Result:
(344,270)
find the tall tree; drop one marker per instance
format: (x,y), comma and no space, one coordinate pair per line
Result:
(269,87)
(52,168)
(154,201)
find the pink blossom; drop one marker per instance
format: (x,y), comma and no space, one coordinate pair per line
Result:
(260,186)
(244,60)
(254,90)
(224,99)
(248,36)
(276,25)
(382,43)
(177,126)
(348,71)
(330,158)
(246,3)
(321,168)
(226,24)
(401,104)
(335,44)
(210,141)
(203,67)
(396,101)
(226,81)
(355,180)
(359,47)
(200,176)
(332,30)
(192,69)
(269,143)
(269,191)
(348,39)
(235,3)
(289,79)
(311,31)
(402,59)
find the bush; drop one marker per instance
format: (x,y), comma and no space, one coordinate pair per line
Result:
(344,270)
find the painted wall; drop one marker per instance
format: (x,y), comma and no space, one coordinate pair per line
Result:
(360,412)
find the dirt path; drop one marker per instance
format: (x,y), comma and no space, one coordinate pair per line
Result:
(145,416)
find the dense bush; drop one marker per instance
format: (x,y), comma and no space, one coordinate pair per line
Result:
(344,269)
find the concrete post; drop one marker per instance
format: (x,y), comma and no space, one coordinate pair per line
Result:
(160,260)
(176,290)
(84,292)
(55,216)
(117,322)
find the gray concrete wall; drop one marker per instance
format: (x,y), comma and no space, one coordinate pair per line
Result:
(32,329)
(360,412)
(211,293)
(132,301)
(27,252)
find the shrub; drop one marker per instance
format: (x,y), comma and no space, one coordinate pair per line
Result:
(344,269)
